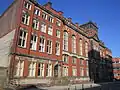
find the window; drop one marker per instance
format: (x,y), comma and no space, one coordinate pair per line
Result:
(33,43)
(50,19)
(35,24)
(27,5)
(87,72)
(81,62)
(43,27)
(81,71)
(48,70)
(74,60)
(41,69)
(50,30)
(80,43)
(25,18)
(49,46)
(73,44)
(32,69)
(86,49)
(58,33)
(65,71)
(57,48)
(42,44)
(65,41)
(37,12)
(58,23)
(74,71)
(22,38)
(65,58)
(87,63)
(44,15)
(19,68)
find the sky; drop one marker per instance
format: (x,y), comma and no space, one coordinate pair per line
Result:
(106,13)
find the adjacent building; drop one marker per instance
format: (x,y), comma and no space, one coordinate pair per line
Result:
(116,68)
(38,43)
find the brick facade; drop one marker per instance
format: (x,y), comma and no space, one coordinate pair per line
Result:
(26,64)
(116,68)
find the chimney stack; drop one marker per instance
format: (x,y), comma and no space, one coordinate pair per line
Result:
(48,5)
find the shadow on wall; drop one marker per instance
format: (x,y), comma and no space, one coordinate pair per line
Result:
(100,69)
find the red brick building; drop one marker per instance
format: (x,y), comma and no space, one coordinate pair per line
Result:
(45,44)
(116,68)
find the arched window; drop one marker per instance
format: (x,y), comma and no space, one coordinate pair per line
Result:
(65,41)
(86,49)
(80,47)
(73,44)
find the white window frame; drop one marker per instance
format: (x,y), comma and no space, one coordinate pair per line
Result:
(81,71)
(41,69)
(65,58)
(58,23)
(73,44)
(43,27)
(74,60)
(81,47)
(74,71)
(49,46)
(33,42)
(42,44)
(51,19)
(32,69)
(26,18)
(44,15)
(28,5)
(86,49)
(57,48)
(35,24)
(50,30)
(65,41)
(65,71)
(19,68)
(49,70)
(37,12)
(58,33)
(23,38)
(87,72)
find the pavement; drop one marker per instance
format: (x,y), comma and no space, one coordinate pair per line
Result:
(88,86)
(76,86)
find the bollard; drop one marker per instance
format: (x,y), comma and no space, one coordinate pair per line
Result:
(68,88)
(82,86)
(91,86)
(75,88)
(101,88)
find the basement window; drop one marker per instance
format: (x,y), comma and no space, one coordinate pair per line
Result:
(19,68)
(41,70)
(32,69)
